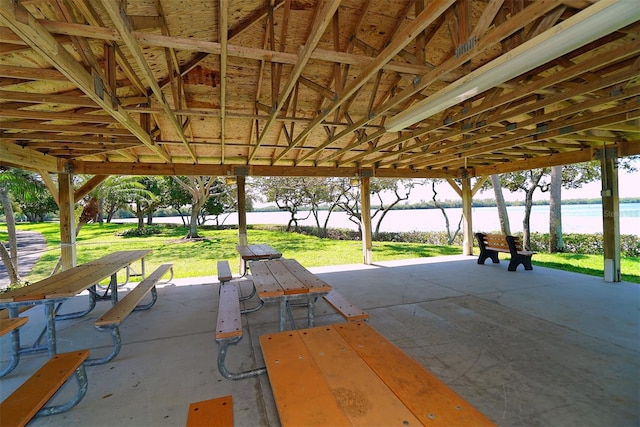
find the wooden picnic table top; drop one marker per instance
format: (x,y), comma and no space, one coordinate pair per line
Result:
(74,280)
(349,374)
(278,277)
(253,252)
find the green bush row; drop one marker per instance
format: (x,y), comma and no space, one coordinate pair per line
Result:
(589,244)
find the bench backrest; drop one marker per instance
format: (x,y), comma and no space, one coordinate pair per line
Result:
(499,241)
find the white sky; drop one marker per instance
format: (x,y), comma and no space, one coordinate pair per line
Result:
(628,186)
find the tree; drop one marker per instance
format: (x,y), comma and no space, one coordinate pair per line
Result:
(450,237)
(116,192)
(222,199)
(556,243)
(288,193)
(401,189)
(527,181)
(24,185)
(199,187)
(147,199)
(505,227)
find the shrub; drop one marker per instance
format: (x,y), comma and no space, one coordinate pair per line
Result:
(139,232)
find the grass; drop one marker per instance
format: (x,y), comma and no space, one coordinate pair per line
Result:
(198,258)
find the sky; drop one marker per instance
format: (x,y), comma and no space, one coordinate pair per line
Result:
(628,186)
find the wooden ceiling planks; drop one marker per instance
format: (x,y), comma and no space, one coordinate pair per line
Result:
(303,86)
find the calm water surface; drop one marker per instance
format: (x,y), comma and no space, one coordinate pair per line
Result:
(575,219)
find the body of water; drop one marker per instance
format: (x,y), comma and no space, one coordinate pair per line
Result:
(575,219)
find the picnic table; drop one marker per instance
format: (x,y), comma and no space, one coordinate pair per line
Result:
(349,374)
(55,289)
(255,252)
(284,281)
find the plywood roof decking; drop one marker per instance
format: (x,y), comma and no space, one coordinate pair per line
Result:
(303,87)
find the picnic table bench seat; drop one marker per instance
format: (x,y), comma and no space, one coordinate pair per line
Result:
(216,412)
(229,330)
(491,244)
(28,400)
(347,310)
(113,318)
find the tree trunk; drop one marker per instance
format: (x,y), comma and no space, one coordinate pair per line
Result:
(526,229)
(556,243)
(12,270)
(193,224)
(11,225)
(502,208)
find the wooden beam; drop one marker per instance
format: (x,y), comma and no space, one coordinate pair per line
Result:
(321,20)
(52,186)
(45,116)
(26,158)
(67,221)
(404,37)
(34,34)
(88,186)
(119,17)
(223,24)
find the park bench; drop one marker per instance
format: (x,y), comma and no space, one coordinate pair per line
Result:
(216,412)
(131,302)
(8,325)
(347,310)
(492,244)
(29,399)
(229,330)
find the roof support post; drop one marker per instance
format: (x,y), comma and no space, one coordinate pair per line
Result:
(67,221)
(610,214)
(467,225)
(365,201)
(242,215)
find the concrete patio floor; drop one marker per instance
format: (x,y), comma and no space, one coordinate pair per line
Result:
(530,348)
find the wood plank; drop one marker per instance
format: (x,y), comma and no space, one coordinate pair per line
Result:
(229,323)
(265,250)
(344,307)
(307,278)
(216,412)
(431,400)
(289,283)
(362,395)
(301,392)
(23,403)
(224,271)
(119,312)
(7,325)
(244,251)
(266,285)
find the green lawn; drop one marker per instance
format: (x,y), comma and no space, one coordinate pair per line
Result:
(198,258)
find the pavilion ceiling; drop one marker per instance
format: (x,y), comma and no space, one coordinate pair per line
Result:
(305,87)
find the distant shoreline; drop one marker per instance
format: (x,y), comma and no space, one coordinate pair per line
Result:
(480,203)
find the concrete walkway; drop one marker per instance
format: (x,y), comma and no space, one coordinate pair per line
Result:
(530,348)
(31,246)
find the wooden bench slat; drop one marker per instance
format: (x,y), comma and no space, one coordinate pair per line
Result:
(290,359)
(229,322)
(264,282)
(7,325)
(344,307)
(33,394)
(334,356)
(289,283)
(431,400)
(119,312)
(224,271)
(310,280)
(216,412)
